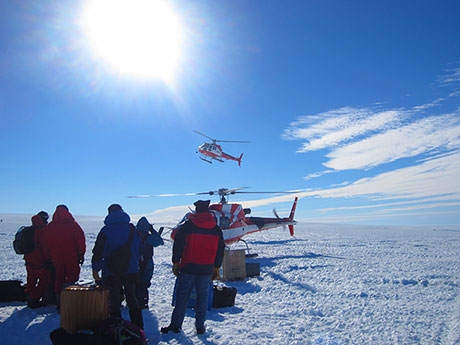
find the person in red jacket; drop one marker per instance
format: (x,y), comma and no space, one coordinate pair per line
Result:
(37,263)
(67,247)
(198,252)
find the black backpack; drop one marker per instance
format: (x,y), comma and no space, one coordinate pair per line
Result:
(60,336)
(117,331)
(112,331)
(118,261)
(24,240)
(12,290)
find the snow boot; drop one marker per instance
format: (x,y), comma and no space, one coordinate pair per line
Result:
(136,317)
(35,303)
(200,329)
(166,330)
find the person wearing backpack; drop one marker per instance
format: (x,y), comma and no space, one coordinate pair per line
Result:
(150,238)
(198,252)
(120,267)
(37,263)
(67,247)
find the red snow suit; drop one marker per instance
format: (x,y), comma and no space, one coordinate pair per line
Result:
(38,274)
(66,242)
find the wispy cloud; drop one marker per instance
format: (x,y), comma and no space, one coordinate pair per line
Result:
(410,157)
(368,137)
(317,174)
(433,177)
(418,137)
(339,126)
(450,76)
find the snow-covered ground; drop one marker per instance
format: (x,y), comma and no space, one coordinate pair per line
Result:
(332,284)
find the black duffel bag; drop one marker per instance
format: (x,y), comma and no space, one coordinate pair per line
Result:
(12,290)
(224,296)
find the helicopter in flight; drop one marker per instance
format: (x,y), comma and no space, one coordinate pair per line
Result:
(234,220)
(213,151)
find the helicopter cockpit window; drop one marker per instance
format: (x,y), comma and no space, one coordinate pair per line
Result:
(224,222)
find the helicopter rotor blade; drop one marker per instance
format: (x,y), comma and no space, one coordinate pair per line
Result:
(232,141)
(204,135)
(220,141)
(230,191)
(222,192)
(270,192)
(158,195)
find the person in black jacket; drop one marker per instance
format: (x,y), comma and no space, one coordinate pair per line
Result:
(198,252)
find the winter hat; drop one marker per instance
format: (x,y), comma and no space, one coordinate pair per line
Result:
(43,215)
(62,206)
(114,208)
(202,205)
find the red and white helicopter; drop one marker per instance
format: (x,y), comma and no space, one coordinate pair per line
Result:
(212,151)
(235,221)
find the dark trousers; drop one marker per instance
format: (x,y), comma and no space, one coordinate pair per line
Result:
(126,284)
(37,282)
(142,293)
(185,284)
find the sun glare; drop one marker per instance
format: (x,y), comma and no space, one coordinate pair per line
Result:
(136,37)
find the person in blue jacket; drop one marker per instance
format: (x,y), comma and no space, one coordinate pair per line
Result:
(117,231)
(150,238)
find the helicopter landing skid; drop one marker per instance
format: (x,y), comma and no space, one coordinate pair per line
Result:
(210,161)
(248,255)
(204,159)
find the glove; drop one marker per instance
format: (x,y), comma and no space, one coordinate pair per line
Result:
(216,274)
(81,259)
(160,231)
(97,278)
(176,269)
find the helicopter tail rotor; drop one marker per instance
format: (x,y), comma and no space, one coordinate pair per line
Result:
(291,216)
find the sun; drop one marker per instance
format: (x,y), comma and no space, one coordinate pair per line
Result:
(141,38)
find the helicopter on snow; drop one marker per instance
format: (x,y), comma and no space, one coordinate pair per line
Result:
(234,220)
(212,151)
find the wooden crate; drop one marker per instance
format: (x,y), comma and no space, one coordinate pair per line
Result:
(83,307)
(234,265)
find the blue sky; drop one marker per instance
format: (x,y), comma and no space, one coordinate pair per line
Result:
(356,103)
